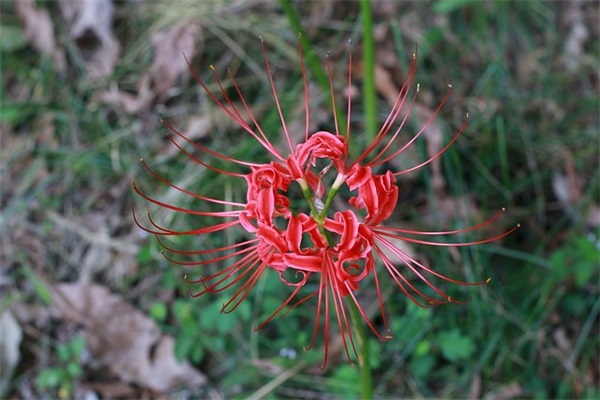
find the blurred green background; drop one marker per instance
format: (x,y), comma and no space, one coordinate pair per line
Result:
(84,86)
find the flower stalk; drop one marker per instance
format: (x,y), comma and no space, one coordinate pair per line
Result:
(364,361)
(369,92)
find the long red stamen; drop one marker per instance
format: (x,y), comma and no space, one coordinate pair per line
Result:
(220,214)
(190,193)
(439,233)
(349,111)
(285,130)
(232,115)
(207,150)
(332,93)
(168,232)
(395,274)
(203,252)
(244,290)
(285,303)
(384,232)
(305,85)
(363,314)
(212,260)
(393,115)
(373,161)
(439,153)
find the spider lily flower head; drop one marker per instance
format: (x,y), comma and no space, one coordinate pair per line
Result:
(338,250)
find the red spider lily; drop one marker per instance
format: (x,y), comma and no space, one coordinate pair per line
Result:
(340,249)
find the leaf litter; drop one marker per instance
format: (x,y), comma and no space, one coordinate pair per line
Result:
(123,338)
(90,23)
(39,30)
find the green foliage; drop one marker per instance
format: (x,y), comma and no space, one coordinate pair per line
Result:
(421,366)
(202,328)
(40,287)
(158,311)
(11,38)
(345,381)
(60,379)
(446,6)
(455,346)
(577,260)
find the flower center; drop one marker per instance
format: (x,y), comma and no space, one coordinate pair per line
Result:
(290,233)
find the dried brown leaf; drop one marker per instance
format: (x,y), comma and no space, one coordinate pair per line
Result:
(91,22)
(10,339)
(131,103)
(123,338)
(39,30)
(169,50)
(476,387)
(113,390)
(574,44)
(385,85)
(448,208)
(593,217)
(568,187)
(510,391)
(30,243)
(101,250)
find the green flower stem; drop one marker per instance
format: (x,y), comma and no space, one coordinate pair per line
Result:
(364,362)
(311,204)
(366,380)
(319,217)
(330,197)
(369,93)
(370,105)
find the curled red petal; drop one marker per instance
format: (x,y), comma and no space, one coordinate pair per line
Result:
(273,237)
(358,176)
(294,234)
(304,262)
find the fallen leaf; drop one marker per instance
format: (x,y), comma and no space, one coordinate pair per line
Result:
(91,23)
(10,339)
(132,104)
(593,217)
(113,390)
(169,50)
(39,31)
(574,44)
(123,338)
(475,389)
(99,248)
(568,187)
(30,243)
(385,84)
(510,391)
